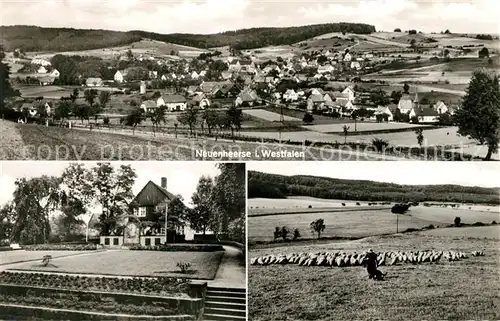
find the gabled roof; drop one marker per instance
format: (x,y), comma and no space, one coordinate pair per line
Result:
(425,112)
(316,98)
(148,104)
(167,98)
(93,80)
(163,194)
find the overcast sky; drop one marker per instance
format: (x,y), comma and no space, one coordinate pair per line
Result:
(212,16)
(409,173)
(182,177)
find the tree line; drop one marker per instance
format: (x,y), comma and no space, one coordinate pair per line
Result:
(33,38)
(279,186)
(218,204)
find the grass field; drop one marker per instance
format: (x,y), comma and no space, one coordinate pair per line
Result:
(295,202)
(269,116)
(7,257)
(145,46)
(463,290)
(338,224)
(55,143)
(480,232)
(135,263)
(351,220)
(360,126)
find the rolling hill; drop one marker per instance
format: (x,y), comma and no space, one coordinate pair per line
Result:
(33,38)
(280,186)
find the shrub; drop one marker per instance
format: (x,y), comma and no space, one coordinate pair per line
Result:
(106,120)
(430,227)
(296,234)
(400,208)
(179,248)
(380,144)
(184,267)
(478,224)
(457,221)
(310,206)
(493,223)
(358,203)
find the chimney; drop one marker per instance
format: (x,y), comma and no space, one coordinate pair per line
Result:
(164,182)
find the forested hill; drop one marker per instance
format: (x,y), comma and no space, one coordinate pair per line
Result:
(259,37)
(280,186)
(33,38)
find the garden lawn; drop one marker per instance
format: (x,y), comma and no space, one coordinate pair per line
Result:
(7,257)
(462,290)
(204,265)
(269,115)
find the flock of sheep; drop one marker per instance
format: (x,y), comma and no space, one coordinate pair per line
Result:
(357,259)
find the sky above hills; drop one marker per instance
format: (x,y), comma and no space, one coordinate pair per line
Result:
(408,173)
(182,177)
(212,16)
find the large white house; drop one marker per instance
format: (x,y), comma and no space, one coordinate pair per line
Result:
(172,102)
(120,76)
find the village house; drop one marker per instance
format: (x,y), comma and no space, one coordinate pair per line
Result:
(47,80)
(315,102)
(349,92)
(424,115)
(405,104)
(290,95)
(40,62)
(94,82)
(356,65)
(317,91)
(148,106)
(194,75)
(248,97)
(201,100)
(41,70)
(386,112)
(147,224)
(325,69)
(172,102)
(347,57)
(119,76)
(153,74)
(440,107)
(55,73)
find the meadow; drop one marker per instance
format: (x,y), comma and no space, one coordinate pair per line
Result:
(352,221)
(134,263)
(34,142)
(462,290)
(269,116)
(9,257)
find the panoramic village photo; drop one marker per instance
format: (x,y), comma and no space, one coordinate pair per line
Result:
(373,241)
(122,241)
(248,79)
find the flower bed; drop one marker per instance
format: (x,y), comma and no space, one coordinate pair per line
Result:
(61,247)
(157,286)
(180,248)
(79,303)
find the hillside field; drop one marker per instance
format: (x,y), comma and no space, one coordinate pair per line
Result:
(461,290)
(353,222)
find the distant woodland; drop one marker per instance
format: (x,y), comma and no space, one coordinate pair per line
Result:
(33,38)
(280,186)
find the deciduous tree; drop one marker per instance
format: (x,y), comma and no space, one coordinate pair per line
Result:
(479,114)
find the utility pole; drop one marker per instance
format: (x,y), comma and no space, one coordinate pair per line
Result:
(397,223)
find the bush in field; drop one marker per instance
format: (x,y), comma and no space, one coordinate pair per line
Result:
(400,208)
(308,118)
(296,234)
(457,221)
(380,144)
(284,232)
(106,120)
(184,267)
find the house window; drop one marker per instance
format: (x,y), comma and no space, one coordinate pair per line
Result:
(115,241)
(162,231)
(106,241)
(141,212)
(157,241)
(148,241)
